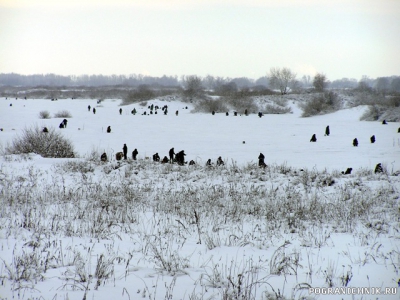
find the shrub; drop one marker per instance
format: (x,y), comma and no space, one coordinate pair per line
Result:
(142,93)
(46,144)
(276,109)
(366,98)
(242,103)
(381,112)
(321,104)
(63,114)
(209,105)
(44,114)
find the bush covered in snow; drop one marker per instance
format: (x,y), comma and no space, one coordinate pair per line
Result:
(321,104)
(46,144)
(63,114)
(209,105)
(44,114)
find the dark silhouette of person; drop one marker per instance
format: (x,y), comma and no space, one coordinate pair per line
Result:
(261,162)
(88,107)
(103,157)
(94,110)
(220,162)
(378,168)
(313,138)
(156,157)
(45,129)
(384,122)
(327,131)
(348,171)
(171,154)
(125,150)
(177,112)
(120,111)
(227,114)
(372,138)
(208,163)
(180,157)
(61,125)
(213,112)
(355,142)
(245,112)
(108,129)
(134,154)
(65,121)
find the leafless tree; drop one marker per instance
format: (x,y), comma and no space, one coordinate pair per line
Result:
(382,85)
(193,86)
(306,81)
(320,82)
(282,79)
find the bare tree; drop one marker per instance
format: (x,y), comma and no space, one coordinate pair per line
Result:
(306,81)
(320,82)
(395,84)
(282,79)
(382,85)
(193,86)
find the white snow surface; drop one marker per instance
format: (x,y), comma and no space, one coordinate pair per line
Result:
(370,253)
(281,138)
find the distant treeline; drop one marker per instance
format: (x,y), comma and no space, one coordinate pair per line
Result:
(12,79)
(380,84)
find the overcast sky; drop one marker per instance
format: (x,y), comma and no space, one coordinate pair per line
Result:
(236,38)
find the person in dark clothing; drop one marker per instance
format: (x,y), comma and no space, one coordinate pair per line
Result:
(134,154)
(261,162)
(156,157)
(220,162)
(355,142)
(65,121)
(327,131)
(120,111)
(180,157)
(348,171)
(125,149)
(378,168)
(372,138)
(88,107)
(171,155)
(313,138)
(108,129)
(103,157)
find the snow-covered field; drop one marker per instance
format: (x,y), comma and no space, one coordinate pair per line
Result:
(83,229)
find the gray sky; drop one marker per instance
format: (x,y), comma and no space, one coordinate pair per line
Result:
(237,38)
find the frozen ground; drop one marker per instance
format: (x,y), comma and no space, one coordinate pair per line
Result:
(81,229)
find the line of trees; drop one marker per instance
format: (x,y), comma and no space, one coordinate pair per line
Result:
(280,79)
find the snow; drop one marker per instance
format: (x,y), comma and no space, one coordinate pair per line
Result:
(310,254)
(282,138)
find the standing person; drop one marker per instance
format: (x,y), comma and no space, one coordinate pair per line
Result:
(120,111)
(134,154)
(327,131)
(171,154)
(88,107)
(125,149)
